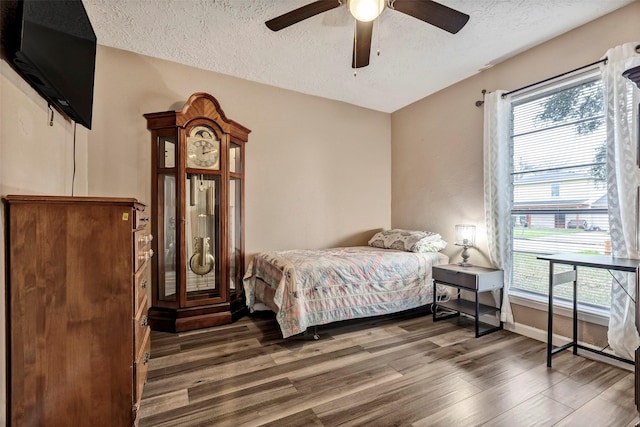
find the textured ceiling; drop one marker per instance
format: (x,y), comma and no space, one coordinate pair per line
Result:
(314,56)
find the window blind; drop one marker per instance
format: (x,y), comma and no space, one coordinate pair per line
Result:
(559,202)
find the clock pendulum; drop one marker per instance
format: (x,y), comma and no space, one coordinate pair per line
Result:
(202,261)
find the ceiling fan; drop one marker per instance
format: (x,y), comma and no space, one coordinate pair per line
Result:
(365,11)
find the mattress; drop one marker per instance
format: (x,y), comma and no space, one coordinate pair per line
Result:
(315,287)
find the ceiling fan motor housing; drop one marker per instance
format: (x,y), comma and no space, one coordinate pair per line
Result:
(366,10)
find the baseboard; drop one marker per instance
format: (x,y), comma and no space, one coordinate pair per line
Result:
(559,340)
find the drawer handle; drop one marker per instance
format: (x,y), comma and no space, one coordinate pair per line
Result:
(144,321)
(144,284)
(145,240)
(147,356)
(146,255)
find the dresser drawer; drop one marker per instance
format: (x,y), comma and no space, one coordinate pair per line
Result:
(142,248)
(141,367)
(143,282)
(141,219)
(141,325)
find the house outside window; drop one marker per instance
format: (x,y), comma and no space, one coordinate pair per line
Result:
(558,142)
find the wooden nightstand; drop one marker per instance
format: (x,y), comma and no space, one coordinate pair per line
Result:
(473,279)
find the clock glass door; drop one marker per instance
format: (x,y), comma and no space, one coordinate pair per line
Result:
(202,237)
(236,262)
(168,245)
(235,158)
(166,232)
(235,236)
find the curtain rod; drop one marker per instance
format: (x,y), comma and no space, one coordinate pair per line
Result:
(561,75)
(554,77)
(481,103)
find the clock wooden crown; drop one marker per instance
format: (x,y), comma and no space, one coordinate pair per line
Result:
(200,105)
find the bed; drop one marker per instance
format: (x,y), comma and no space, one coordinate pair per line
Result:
(308,288)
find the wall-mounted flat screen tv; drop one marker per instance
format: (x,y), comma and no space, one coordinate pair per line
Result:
(56,52)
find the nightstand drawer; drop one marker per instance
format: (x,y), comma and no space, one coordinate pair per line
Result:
(474,278)
(454,277)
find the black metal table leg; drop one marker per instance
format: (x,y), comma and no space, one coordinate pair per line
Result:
(575,310)
(550,313)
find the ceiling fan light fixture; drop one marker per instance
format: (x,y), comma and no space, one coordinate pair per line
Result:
(366,10)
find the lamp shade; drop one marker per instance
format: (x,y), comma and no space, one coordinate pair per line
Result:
(366,10)
(465,235)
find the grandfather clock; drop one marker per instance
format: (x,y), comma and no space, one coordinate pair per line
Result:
(197,216)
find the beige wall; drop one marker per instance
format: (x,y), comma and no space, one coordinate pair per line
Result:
(437,158)
(35,158)
(317,171)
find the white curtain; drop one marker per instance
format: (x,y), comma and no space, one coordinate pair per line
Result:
(622,186)
(498,190)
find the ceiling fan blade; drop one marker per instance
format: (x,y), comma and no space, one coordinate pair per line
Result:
(301,13)
(433,13)
(362,44)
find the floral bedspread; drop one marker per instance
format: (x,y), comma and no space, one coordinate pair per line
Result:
(315,287)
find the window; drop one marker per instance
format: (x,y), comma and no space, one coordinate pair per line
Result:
(559,204)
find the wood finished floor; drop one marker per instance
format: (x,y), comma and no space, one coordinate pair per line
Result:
(400,370)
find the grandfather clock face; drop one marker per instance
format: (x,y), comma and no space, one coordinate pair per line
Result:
(203,149)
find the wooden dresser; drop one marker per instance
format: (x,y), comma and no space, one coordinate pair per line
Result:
(78,340)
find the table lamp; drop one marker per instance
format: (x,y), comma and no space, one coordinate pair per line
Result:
(465,237)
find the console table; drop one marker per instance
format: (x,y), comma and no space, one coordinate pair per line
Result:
(593,261)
